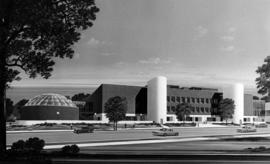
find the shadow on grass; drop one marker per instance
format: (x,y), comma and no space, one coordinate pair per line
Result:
(251,139)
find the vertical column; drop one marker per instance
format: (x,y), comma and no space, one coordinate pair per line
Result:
(157,99)
(236,92)
(267,112)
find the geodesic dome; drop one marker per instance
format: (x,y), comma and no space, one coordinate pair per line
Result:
(50,99)
(50,106)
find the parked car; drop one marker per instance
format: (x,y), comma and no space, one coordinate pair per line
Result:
(84,129)
(261,125)
(165,132)
(246,129)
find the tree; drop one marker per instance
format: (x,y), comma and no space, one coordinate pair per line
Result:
(115,109)
(256,98)
(80,97)
(18,107)
(266,98)
(226,109)
(263,81)
(9,107)
(183,110)
(33,33)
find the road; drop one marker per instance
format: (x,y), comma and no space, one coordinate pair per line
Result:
(132,134)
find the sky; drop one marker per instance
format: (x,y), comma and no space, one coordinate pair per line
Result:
(191,42)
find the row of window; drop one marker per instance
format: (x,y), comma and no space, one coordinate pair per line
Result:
(196,119)
(193,109)
(187,99)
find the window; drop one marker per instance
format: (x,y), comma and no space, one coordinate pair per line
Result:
(202,100)
(193,100)
(189,118)
(188,99)
(178,99)
(207,110)
(183,99)
(168,98)
(192,109)
(202,109)
(198,109)
(173,99)
(211,119)
(207,101)
(168,108)
(173,108)
(169,118)
(198,100)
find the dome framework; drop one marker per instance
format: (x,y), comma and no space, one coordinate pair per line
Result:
(50,106)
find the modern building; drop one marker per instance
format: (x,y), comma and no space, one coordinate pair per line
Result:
(157,101)
(136,97)
(254,110)
(50,106)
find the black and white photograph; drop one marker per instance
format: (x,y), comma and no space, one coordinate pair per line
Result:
(134,81)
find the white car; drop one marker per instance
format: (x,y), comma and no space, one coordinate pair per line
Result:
(246,129)
(165,132)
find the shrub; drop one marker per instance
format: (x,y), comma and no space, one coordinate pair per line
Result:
(73,149)
(65,149)
(18,146)
(32,144)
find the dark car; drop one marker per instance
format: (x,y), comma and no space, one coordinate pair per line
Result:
(85,129)
(261,125)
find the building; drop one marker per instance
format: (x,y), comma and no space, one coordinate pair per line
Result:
(157,102)
(50,106)
(203,100)
(254,109)
(136,99)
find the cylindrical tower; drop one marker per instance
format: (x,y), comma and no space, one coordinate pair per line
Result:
(157,99)
(267,112)
(236,92)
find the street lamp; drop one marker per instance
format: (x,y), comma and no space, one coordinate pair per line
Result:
(57,115)
(95,116)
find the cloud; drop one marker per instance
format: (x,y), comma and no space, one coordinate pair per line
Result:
(106,54)
(227,38)
(231,29)
(200,32)
(230,48)
(120,64)
(94,42)
(156,60)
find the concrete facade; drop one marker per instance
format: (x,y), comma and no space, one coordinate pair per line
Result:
(236,92)
(157,99)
